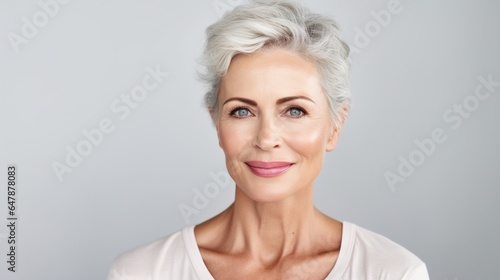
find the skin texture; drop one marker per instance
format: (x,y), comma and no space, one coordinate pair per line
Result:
(272,230)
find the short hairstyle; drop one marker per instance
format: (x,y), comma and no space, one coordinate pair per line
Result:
(283,24)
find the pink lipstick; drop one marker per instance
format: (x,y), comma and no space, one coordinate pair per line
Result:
(268,169)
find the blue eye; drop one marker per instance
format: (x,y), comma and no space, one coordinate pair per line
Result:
(240,112)
(296,112)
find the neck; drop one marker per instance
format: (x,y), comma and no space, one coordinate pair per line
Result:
(272,230)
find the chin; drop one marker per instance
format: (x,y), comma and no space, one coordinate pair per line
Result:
(267,193)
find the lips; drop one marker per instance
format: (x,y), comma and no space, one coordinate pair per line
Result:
(268,169)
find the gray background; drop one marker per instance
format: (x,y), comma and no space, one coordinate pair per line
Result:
(128,190)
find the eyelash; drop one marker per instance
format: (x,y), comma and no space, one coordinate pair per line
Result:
(235,109)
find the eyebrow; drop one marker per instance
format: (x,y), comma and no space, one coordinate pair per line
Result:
(278,102)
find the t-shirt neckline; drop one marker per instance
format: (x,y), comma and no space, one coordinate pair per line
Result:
(346,246)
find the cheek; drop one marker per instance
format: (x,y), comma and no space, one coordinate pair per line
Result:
(232,138)
(307,140)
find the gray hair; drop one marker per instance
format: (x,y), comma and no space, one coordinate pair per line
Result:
(284,24)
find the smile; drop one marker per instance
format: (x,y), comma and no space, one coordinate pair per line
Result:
(268,169)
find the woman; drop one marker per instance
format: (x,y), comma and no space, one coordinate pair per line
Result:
(278,98)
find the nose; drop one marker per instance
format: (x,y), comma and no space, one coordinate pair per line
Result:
(268,135)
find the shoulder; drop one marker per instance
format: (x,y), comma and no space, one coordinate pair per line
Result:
(380,246)
(146,261)
(377,255)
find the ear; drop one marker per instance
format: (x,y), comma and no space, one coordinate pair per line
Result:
(332,138)
(334,132)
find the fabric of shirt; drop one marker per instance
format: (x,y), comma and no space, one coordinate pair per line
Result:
(363,255)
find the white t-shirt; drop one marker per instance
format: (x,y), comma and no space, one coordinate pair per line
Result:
(363,255)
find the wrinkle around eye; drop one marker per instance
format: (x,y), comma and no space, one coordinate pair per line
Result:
(302,111)
(233,112)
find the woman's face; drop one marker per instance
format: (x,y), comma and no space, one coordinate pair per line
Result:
(273,124)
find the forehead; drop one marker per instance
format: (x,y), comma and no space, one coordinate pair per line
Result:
(272,73)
